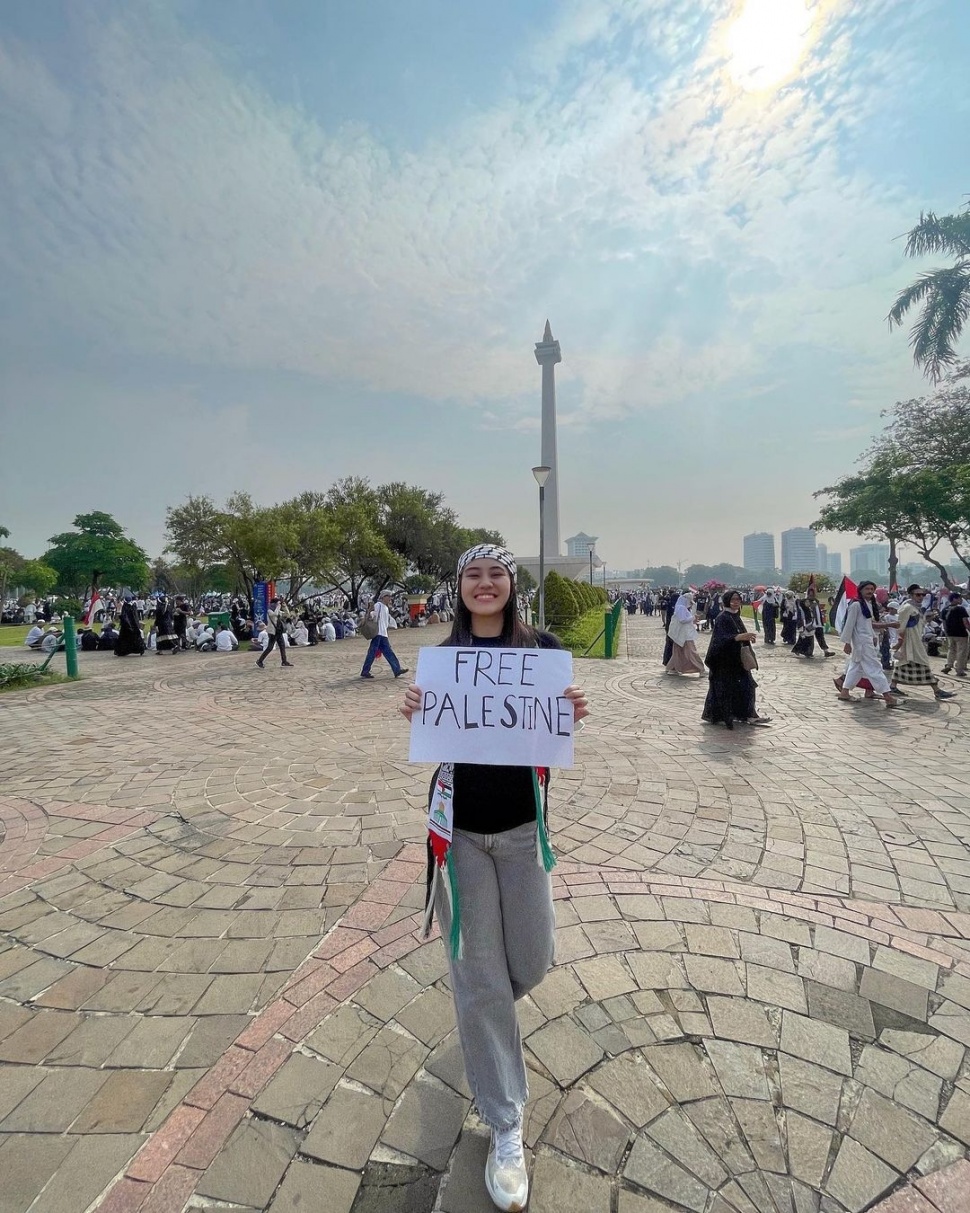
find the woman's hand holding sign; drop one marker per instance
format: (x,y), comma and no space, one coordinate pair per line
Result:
(413,697)
(580,707)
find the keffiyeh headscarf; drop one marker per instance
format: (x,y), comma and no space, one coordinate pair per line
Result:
(487,551)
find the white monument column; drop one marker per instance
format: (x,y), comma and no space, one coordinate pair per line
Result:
(547,355)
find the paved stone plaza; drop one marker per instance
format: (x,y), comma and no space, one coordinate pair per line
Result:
(212,993)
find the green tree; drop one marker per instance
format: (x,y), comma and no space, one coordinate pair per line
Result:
(96,551)
(361,552)
(309,535)
(799,582)
(11,562)
(38,577)
(943,294)
(524,581)
(561,601)
(869,504)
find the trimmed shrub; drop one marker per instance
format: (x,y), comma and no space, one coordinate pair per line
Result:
(562,603)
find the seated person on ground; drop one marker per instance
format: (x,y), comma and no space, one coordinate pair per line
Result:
(34,637)
(226,642)
(87,640)
(106,641)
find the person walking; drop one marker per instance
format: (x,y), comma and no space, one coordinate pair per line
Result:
(276,629)
(957,627)
(769,614)
(493,894)
(730,660)
(380,643)
(858,636)
(912,667)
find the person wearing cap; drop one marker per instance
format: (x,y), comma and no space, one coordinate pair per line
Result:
(380,644)
(956,624)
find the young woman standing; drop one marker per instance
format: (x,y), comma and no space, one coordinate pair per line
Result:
(859,643)
(495,901)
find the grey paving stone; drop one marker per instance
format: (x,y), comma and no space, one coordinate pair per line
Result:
(298,1091)
(715,976)
(565,1050)
(660,936)
(934,1053)
(682,1070)
(826,969)
(675,1133)
(559,993)
(714,1118)
(347,1129)
(429,1017)
(627,1084)
(712,941)
(89,1168)
(34,1040)
(397,1188)
(426,1123)
(124,1103)
(858,1178)
(342,1035)
(953,1021)
(151,1044)
(767,952)
(890,1132)
(900,1080)
(759,1124)
(93,1041)
(843,1008)
(740,1069)
(388,1063)
(544,1099)
(910,968)
(776,989)
(384,995)
(53,1106)
(895,993)
(809,1144)
(633,1202)
(818,1042)
(209,1040)
(447,1063)
(956,1118)
(652,1170)
(840,943)
(604,977)
(658,971)
(27,1161)
(247,1171)
(743,1021)
(558,1188)
(16,1083)
(307,1188)
(589,1131)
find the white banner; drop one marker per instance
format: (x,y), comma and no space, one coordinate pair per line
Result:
(500,707)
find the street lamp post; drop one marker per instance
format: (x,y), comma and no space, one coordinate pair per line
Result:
(591,546)
(541,474)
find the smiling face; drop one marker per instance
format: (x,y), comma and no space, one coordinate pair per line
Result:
(485,588)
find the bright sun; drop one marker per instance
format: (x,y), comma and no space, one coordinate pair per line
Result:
(766,41)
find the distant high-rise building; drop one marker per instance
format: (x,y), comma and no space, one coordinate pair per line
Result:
(580,544)
(822,555)
(759,551)
(798,550)
(871,556)
(833,564)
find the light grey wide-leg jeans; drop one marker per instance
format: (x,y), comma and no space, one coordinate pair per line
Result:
(508,937)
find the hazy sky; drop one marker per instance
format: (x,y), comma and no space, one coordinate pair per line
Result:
(262,244)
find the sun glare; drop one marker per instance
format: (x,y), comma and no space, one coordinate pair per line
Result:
(767,41)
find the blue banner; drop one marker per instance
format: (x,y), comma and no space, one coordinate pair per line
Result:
(260,603)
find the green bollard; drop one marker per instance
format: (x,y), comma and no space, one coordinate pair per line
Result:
(608,633)
(70,647)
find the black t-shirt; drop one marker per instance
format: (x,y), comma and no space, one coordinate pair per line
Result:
(492,799)
(956,620)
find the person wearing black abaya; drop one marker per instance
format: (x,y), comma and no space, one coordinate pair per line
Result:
(731,690)
(130,638)
(668,607)
(165,637)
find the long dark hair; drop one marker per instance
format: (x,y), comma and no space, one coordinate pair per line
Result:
(864,606)
(516,634)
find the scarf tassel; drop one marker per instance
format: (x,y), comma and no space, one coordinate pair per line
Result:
(454,905)
(544,854)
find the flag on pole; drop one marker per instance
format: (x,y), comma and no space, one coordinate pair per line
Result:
(811,584)
(848,592)
(93,607)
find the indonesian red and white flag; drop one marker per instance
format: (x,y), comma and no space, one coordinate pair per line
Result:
(93,607)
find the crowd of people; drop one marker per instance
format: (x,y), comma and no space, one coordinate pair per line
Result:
(887,642)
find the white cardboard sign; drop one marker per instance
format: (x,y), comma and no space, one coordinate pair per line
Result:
(499,707)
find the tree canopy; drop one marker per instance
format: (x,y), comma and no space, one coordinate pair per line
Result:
(96,551)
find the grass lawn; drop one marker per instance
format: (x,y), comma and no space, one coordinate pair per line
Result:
(14,634)
(581,634)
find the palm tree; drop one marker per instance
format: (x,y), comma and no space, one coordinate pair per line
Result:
(943,293)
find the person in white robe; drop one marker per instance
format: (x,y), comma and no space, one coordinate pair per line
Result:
(858,636)
(682,632)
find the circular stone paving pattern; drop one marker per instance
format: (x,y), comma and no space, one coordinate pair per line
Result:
(685,1057)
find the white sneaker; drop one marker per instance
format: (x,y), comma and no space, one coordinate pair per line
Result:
(505,1174)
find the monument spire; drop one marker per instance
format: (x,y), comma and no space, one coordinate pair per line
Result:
(547,355)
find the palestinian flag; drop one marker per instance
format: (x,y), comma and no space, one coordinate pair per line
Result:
(848,592)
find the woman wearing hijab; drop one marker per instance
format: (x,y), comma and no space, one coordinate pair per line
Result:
(130,638)
(682,634)
(789,619)
(912,667)
(731,694)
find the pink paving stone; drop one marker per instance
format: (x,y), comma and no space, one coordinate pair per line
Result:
(352,980)
(406,873)
(261,1069)
(876,909)
(930,922)
(586,877)
(949,1189)
(360,951)
(914,949)
(388,892)
(906,1201)
(367,914)
(213,1132)
(960,922)
(112,834)
(215,1083)
(394,951)
(127,1196)
(311,983)
(172,1190)
(265,1025)
(307,1018)
(156,1154)
(44,867)
(590,890)
(339,939)
(12,884)
(393,933)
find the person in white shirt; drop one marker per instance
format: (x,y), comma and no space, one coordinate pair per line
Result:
(328,631)
(301,636)
(30,612)
(226,642)
(34,637)
(206,640)
(380,643)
